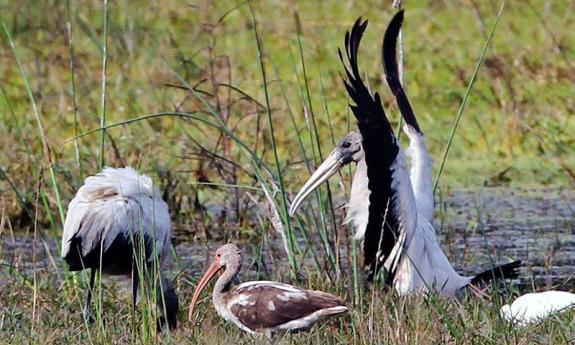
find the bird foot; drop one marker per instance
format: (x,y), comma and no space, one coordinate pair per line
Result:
(87,315)
(161,324)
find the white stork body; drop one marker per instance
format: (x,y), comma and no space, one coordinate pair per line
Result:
(390,206)
(420,174)
(113,207)
(537,306)
(116,217)
(424,264)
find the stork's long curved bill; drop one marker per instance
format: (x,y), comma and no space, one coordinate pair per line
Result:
(330,166)
(214,268)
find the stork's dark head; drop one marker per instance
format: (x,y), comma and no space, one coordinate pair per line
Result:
(348,150)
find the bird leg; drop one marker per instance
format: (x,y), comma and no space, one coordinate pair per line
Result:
(87,312)
(168,305)
(135,282)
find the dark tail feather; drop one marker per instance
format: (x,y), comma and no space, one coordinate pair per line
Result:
(507,271)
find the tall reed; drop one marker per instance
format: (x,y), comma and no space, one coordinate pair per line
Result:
(465,97)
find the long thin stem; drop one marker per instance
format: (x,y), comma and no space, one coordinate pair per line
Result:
(104,74)
(315,135)
(21,199)
(73,84)
(45,146)
(289,232)
(465,97)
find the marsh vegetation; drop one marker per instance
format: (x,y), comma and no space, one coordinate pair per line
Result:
(229,126)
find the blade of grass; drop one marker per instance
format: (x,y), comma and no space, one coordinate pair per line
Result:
(104,75)
(466,96)
(20,133)
(328,247)
(46,148)
(19,196)
(317,192)
(336,242)
(288,229)
(306,162)
(73,84)
(222,126)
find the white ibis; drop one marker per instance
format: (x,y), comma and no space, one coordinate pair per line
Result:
(391,209)
(263,307)
(537,306)
(116,217)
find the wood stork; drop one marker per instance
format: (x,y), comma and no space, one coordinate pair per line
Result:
(264,307)
(116,217)
(537,306)
(391,207)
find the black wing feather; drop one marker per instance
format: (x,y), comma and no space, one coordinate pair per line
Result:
(392,73)
(381,149)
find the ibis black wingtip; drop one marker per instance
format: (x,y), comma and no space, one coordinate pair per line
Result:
(390,67)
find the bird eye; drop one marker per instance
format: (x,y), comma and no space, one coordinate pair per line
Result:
(346,144)
(218,255)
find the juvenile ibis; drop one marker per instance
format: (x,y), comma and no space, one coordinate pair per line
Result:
(537,306)
(116,217)
(263,307)
(391,207)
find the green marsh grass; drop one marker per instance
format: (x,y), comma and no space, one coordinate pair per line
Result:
(98,94)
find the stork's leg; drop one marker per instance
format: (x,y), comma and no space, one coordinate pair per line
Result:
(87,312)
(167,302)
(135,282)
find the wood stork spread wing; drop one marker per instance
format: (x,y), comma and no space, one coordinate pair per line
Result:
(421,162)
(392,212)
(392,73)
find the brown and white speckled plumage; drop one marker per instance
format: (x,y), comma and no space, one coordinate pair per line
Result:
(263,306)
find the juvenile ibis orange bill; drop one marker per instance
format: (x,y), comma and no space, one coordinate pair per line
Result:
(264,307)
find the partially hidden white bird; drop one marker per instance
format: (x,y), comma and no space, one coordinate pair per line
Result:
(537,306)
(391,207)
(116,217)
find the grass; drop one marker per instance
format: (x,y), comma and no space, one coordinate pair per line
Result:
(229,106)
(431,320)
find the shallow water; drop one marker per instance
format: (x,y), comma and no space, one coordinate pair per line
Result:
(536,226)
(477,227)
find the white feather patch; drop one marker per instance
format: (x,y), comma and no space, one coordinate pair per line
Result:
(358,205)
(116,201)
(421,173)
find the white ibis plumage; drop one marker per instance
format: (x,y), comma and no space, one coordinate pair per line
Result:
(116,217)
(537,306)
(263,307)
(390,207)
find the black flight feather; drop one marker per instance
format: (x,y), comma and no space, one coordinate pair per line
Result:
(381,149)
(392,73)
(506,271)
